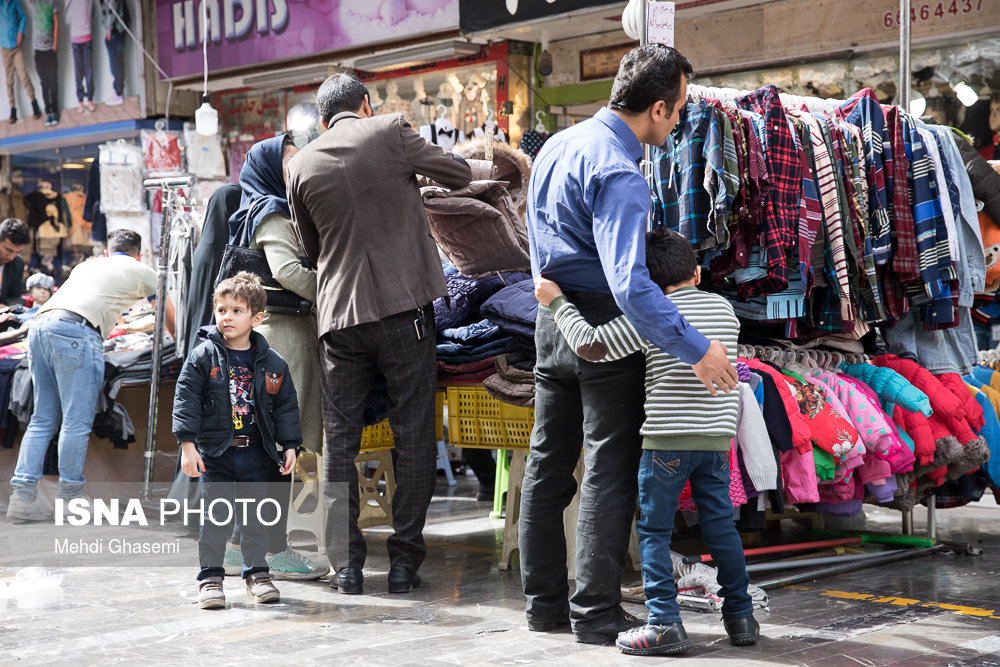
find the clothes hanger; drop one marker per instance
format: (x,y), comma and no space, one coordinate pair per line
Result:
(539,125)
(442,112)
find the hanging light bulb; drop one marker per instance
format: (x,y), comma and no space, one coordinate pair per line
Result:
(917,104)
(206,119)
(965,94)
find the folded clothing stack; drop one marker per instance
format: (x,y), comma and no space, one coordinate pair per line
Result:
(472,342)
(514,379)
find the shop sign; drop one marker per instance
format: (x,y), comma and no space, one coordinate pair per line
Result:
(253,113)
(250,32)
(479,15)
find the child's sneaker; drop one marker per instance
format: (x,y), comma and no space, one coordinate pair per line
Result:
(23,509)
(210,594)
(292,565)
(233,562)
(260,588)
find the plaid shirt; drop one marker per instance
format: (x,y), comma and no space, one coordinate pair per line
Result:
(811,214)
(784,166)
(690,160)
(927,215)
(905,263)
(863,109)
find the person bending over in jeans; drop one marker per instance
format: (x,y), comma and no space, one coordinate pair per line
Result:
(686,436)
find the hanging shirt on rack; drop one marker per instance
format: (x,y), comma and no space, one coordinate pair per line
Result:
(442,133)
(532,141)
(785,171)
(863,109)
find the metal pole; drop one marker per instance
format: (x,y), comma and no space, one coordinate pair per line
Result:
(647,156)
(904,54)
(847,567)
(932,517)
(169,187)
(907,522)
(825,560)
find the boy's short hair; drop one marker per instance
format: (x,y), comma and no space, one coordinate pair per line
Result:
(245,287)
(669,257)
(126,241)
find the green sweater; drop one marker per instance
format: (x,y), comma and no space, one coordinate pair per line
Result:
(680,413)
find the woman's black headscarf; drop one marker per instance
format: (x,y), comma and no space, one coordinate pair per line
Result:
(263,188)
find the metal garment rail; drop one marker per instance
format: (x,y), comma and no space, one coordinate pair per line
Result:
(169,186)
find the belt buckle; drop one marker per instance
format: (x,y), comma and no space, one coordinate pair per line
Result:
(240,441)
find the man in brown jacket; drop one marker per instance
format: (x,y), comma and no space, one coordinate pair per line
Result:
(354,197)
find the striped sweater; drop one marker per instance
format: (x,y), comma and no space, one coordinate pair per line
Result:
(680,413)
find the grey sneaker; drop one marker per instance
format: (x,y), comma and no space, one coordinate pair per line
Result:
(23,509)
(290,564)
(210,594)
(260,588)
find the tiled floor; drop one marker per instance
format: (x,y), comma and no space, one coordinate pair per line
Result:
(469,613)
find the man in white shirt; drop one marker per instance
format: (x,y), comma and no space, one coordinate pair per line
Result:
(66,344)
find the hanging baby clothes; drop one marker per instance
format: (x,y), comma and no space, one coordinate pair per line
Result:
(121,176)
(532,142)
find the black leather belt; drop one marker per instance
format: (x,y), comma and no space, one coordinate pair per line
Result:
(243,441)
(70,316)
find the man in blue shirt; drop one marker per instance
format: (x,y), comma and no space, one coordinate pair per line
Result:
(588,208)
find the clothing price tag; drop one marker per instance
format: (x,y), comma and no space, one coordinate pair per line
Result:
(660,23)
(995,333)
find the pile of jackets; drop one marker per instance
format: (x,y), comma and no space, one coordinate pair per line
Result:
(889,433)
(467,342)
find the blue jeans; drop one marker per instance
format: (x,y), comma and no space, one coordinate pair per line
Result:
(661,479)
(116,59)
(83,63)
(67,371)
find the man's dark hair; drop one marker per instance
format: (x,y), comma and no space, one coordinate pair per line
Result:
(648,74)
(126,241)
(15,231)
(669,257)
(339,93)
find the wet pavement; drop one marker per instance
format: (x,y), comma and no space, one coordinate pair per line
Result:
(941,609)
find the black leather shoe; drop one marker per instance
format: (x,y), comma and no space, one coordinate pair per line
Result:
(402,580)
(742,631)
(668,639)
(547,623)
(348,580)
(608,632)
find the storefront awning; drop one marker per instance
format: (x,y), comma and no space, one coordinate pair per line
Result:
(71,136)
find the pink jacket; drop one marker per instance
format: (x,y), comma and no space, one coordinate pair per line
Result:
(872,425)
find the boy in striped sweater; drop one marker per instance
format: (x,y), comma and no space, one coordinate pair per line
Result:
(686,436)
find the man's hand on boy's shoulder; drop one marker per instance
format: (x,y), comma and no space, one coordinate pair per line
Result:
(546,291)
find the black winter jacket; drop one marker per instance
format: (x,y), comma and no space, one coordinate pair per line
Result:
(203,408)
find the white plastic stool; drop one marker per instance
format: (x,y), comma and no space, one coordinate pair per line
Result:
(307,509)
(444,464)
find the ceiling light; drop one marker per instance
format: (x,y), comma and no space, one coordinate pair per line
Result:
(289,77)
(415,55)
(917,104)
(965,94)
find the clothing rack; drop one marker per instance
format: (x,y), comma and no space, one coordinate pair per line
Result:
(816,104)
(172,199)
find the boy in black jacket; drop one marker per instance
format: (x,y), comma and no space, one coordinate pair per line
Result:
(235,414)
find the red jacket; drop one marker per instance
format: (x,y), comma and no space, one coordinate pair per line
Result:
(801,433)
(973,411)
(949,410)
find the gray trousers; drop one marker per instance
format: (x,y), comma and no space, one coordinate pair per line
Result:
(596,407)
(349,361)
